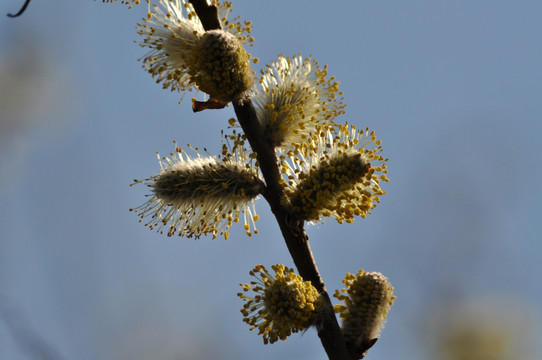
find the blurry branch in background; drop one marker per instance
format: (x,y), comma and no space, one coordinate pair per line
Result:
(20,12)
(28,339)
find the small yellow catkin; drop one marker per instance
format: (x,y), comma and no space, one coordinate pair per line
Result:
(282,304)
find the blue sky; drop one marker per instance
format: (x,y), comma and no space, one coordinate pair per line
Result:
(453,89)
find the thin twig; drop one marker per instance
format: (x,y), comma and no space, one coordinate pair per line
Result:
(20,11)
(291,226)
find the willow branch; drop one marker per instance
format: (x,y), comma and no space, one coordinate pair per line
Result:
(291,225)
(208,14)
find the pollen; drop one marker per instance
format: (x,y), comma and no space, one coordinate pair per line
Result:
(130,3)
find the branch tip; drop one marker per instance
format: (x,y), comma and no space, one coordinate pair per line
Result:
(21,11)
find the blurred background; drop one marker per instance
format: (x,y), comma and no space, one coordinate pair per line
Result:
(453,89)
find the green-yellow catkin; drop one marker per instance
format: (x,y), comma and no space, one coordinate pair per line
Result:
(338,175)
(182,56)
(283,304)
(367,299)
(323,188)
(222,67)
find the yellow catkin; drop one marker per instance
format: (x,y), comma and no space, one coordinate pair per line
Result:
(282,304)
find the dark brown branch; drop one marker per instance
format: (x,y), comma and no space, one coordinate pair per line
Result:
(291,226)
(208,14)
(25,5)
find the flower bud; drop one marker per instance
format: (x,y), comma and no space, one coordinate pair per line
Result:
(367,299)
